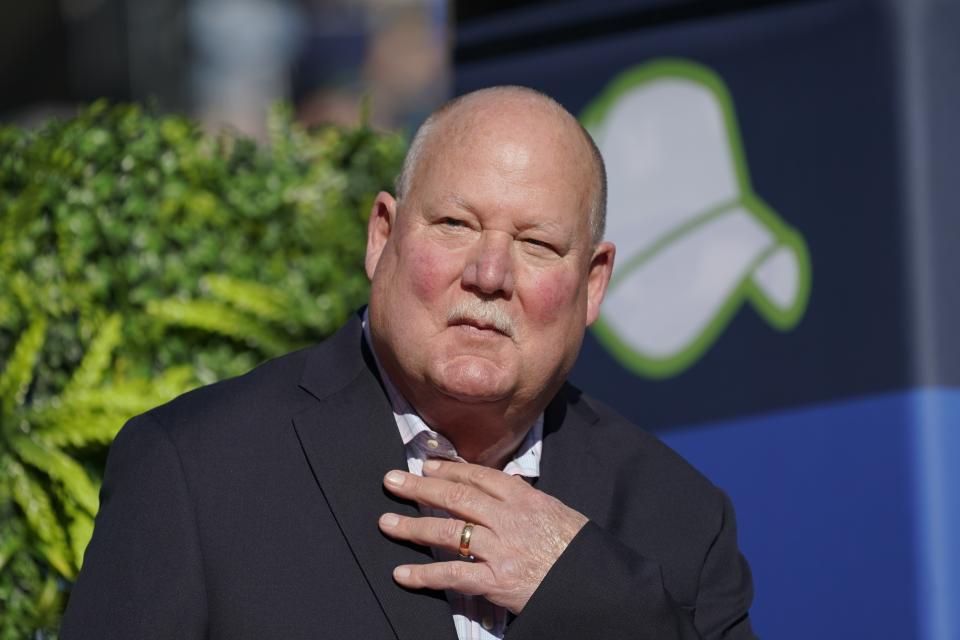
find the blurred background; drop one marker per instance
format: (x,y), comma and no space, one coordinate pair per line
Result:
(789,322)
(226,61)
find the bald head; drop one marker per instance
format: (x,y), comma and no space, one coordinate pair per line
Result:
(457,119)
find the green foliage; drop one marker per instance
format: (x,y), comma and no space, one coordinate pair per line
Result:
(140,257)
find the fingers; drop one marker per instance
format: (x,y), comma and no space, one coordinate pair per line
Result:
(491,481)
(439,532)
(456,498)
(519,532)
(466,577)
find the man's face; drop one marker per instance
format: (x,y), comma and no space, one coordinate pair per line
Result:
(485,276)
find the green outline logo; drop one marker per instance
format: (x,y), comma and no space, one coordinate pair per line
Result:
(694,240)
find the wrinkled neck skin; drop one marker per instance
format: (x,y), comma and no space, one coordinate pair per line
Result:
(483,432)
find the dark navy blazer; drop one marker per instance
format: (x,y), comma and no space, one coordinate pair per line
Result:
(248,509)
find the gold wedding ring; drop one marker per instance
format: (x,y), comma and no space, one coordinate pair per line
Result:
(463,553)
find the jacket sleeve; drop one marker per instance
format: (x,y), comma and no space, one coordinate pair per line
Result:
(600,588)
(142,574)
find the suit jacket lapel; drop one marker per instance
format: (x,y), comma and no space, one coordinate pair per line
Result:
(351,440)
(570,469)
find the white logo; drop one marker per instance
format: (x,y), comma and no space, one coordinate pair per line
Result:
(693,240)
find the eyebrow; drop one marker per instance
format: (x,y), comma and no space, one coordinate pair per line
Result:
(549,226)
(463,203)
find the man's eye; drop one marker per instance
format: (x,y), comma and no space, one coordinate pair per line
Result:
(453,222)
(539,244)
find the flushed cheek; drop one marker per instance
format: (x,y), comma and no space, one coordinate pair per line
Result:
(551,296)
(430,274)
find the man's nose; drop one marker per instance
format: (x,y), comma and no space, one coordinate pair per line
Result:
(489,271)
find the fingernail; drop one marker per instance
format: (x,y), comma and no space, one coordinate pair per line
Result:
(401,572)
(389,520)
(431,465)
(395,478)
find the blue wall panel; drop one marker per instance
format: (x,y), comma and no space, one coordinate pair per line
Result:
(848,513)
(937,475)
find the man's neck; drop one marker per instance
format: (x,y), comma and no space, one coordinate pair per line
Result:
(481,434)
(485,433)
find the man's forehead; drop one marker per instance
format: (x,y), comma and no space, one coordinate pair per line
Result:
(505,118)
(524,144)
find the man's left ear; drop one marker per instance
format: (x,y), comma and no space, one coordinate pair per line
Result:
(383,215)
(601,268)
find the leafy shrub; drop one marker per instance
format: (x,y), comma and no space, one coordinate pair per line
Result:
(140,257)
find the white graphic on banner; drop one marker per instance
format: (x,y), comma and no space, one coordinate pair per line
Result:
(693,241)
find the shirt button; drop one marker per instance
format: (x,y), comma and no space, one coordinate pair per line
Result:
(487,622)
(433,444)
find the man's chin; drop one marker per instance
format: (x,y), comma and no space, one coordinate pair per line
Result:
(472,396)
(477,383)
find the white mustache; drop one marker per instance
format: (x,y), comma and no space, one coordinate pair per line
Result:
(485,313)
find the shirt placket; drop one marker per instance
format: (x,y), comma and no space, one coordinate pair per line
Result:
(479,618)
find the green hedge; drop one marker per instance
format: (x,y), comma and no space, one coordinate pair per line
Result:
(140,257)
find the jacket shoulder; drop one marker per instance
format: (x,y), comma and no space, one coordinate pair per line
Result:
(619,438)
(264,389)
(272,392)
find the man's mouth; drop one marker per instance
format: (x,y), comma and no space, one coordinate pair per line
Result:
(477,324)
(481,317)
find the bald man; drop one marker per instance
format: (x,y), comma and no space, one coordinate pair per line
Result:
(427,472)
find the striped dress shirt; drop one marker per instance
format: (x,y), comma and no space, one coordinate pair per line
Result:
(474,617)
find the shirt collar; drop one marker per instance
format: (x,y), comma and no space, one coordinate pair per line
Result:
(525,462)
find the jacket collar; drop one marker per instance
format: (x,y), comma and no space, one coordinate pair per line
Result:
(350,440)
(572,469)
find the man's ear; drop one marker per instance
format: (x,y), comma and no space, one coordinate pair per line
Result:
(383,215)
(601,268)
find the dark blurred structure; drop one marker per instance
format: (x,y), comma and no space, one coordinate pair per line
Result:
(60,53)
(226,61)
(394,53)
